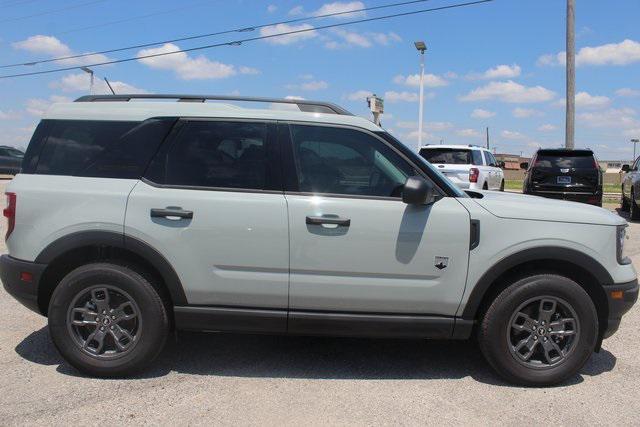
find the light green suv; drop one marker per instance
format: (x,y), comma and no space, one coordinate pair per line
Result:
(131,219)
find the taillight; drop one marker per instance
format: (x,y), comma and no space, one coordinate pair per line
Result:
(473,174)
(10,213)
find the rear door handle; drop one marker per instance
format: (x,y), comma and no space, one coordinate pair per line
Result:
(171,213)
(336,220)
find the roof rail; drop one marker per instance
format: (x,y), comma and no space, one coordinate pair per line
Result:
(303,104)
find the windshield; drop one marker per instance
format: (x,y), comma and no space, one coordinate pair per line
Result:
(440,179)
(564,160)
(452,156)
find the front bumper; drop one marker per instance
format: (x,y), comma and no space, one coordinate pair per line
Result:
(21,279)
(620,299)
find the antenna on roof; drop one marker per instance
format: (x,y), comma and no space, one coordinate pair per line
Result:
(109,84)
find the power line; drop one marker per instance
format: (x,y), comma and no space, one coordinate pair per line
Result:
(241,41)
(47,12)
(199,36)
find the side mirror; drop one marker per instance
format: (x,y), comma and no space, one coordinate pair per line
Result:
(524,165)
(501,164)
(626,168)
(417,191)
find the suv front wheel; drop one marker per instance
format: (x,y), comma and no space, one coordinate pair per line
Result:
(540,330)
(107,320)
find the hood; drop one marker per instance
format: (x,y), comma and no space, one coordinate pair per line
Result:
(522,206)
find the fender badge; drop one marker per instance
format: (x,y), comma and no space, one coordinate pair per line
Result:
(441,262)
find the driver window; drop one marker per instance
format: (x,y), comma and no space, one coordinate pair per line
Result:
(346,161)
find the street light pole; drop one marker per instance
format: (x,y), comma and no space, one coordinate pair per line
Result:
(90,72)
(571,76)
(635,141)
(422,47)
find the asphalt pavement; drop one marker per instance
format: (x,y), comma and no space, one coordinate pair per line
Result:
(226,379)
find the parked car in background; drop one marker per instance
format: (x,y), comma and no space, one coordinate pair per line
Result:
(565,174)
(10,160)
(631,189)
(468,166)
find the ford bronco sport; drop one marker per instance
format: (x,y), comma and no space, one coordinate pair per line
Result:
(133,217)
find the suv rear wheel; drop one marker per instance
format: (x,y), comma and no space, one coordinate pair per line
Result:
(107,320)
(634,212)
(540,330)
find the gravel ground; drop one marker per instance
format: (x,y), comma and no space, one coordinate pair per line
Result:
(251,380)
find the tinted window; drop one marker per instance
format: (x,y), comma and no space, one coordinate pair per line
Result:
(490,159)
(452,156)
(564,160)
(346,161)
(476,156)
(219,154)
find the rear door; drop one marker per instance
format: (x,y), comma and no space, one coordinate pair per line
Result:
(212,204)
(454,163)
(355,247)
(567,171)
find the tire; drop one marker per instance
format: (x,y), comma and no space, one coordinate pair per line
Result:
(141,326)
(634,212)
(498,339)
(485,186)
(502,185)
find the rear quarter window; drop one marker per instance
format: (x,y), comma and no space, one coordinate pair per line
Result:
(446,156)
(105,149)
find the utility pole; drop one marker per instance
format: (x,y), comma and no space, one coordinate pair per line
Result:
(487,137)
(571,76)
(422,47)
(635,141)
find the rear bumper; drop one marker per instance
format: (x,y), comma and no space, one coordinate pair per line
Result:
(25,291)
(626,294)
(583,197)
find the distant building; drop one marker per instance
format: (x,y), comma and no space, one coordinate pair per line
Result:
(511,161)
(613,166)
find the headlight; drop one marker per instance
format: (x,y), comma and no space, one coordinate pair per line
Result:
(621,236)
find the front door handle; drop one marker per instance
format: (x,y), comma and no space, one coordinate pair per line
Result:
(171,213)
(335,220)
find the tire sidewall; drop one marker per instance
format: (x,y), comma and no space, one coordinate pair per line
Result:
(152,313)
(496,329)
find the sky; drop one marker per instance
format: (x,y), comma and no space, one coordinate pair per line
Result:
(498,65)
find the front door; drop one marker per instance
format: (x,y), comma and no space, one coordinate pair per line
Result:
(212,204)
(355,247)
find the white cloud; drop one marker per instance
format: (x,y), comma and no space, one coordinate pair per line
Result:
(248,70)
(38,106)
(430,80)
(508,134)
(623,53)
(511,92)
(407,125)
(186,67)
(438,126)
(80,82)
(628,92)
(339,7)
(272,8)
(547,128)
(355,39)
(289,38)
(298,10)
(53,47)
(479,113)
(620,118)
(502,71)
(393,96)
(300,98)
(413,136)
(522,113)
(360,95)
(9,115)
(310,85)
(586,100)
(472,133)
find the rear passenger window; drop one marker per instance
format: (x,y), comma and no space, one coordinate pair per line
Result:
(105,149)
(477,157)
(219,154)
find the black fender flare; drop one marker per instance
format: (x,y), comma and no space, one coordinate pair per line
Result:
(542,253)
(112,239)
